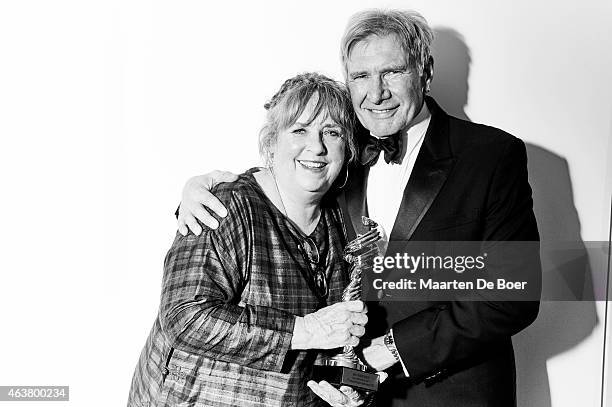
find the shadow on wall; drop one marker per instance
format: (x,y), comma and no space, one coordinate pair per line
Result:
(560,325)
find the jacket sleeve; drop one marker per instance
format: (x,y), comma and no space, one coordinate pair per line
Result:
(452,333)
(201,312)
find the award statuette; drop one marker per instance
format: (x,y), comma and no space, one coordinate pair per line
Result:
(345,368)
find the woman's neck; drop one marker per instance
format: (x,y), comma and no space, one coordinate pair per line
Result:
(302,208)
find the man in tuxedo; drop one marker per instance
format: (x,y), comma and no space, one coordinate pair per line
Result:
(424,176)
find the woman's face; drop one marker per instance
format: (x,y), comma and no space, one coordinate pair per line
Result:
(309,157)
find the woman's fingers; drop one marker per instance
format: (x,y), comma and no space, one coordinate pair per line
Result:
(344,336)
(353,311)
(354,306)
(357,330)
(331,327)
(353,341)
(359,318)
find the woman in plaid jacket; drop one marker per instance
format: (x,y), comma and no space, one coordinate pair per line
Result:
(245,308)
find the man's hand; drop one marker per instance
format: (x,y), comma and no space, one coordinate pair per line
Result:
(330,327)
(196,197)
(345,397)
(377,355)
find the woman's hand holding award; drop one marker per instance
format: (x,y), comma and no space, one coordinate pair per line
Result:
(345,368)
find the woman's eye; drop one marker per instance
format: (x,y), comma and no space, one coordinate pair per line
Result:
(298,131)
(332,133)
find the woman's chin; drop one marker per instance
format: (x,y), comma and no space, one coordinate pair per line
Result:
(314,186)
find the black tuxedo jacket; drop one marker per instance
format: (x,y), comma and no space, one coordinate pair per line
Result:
(469,183)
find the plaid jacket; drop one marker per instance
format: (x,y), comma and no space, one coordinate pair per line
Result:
(228,307)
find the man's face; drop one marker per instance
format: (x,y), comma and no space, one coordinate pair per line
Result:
(387,93)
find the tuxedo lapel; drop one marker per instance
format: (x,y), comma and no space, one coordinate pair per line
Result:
(430,171)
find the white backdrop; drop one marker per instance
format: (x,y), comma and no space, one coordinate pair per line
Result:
(107,107)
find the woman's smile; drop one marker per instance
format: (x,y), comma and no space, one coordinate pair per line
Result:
(314,166)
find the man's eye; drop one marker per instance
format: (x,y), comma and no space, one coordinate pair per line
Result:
(359,77)
(393,74)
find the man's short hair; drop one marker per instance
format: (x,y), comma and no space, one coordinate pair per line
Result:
(410,28)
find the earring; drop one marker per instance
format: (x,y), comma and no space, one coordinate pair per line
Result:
(345,179)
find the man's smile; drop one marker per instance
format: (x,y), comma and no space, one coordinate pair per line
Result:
(382,113)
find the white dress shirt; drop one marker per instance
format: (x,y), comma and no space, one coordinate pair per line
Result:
(387,182)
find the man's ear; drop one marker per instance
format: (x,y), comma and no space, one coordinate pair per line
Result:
(428,73)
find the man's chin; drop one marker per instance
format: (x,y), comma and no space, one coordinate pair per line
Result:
(383,132)
(380,129)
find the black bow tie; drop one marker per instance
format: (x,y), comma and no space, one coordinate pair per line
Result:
(391,145)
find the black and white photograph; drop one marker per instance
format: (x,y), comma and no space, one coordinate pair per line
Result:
(284,203)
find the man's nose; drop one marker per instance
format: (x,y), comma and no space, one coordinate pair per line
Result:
(377,89)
